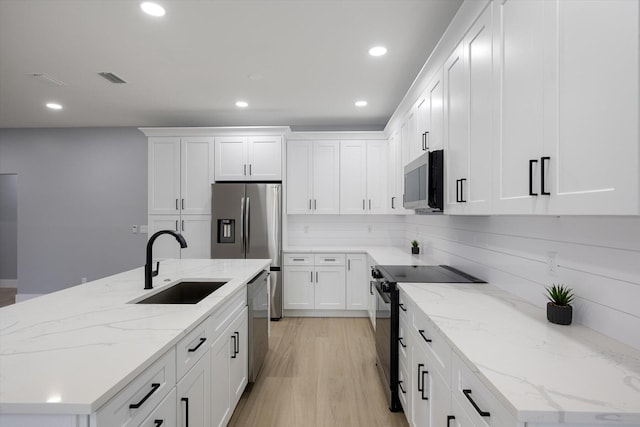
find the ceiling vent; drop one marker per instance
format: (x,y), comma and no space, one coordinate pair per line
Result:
(112,78)
(48,80)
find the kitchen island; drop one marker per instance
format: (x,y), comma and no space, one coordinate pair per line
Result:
(68,353)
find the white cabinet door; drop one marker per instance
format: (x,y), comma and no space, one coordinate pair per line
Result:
(196,230)
(195,175)
(194,395)
(164,175)
(299,177)
(240,357)
(434,139)
(231,158)
(326,177)
(377,153)
(396,175)
(357,282)
(298,288)
(518,104)
(372,294)
(353,177)
(330,288)
(423,114)
(221,352)
(456,130)
(165,246)
(479,66)
(164,414)
(265,158)
(593,148)
(411,147)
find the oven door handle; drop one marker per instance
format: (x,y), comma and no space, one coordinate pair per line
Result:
(382,294)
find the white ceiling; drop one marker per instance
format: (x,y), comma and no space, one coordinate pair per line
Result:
(307,60)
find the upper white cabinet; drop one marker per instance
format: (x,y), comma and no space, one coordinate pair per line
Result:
(395,182)
(566,110)
(313,177)
(363,177)
(180,175)
(240,158)
(411,144)
(430,116)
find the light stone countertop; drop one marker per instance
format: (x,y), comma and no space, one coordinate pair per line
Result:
(383,255)
(539,371)
(70,351)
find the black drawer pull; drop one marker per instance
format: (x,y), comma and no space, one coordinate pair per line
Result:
(449,418)
(202,340)
(330,259)
(237,343)
(531,162)
(542,184)
(402,307)
(233,337)
(420,366)
(158,422)
(298,259)
(421,332)
(154,387)
(424,388)
(482,413)
(186,411)
(401,341)
(401,388)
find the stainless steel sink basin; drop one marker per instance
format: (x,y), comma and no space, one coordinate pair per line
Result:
(183,293)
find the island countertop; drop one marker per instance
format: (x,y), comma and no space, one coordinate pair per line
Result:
(70,351)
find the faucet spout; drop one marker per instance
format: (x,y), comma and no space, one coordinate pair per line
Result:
(148,267)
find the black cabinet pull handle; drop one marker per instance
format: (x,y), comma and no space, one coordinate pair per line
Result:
(154,387)
(158,422)
(330,259)
(402,307)
(237,343)
(182,203)
(531,162)
(420,366)
(462,199)
(424,388)
(426,140)
(393,199)
(249,169)
(244,171)
(457,190)
(401,388)
(186,411)
(177,229)
(298,259)
(401,341)
(421,332)
(177,204)
(542,186)
(449,418)
(363,202)
(422,141)
(482,413)
(311,280)
(202,340)
(371,287)
(233,356)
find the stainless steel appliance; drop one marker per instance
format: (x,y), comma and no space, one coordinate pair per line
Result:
(258,302)
(246,222)
(385,280)
(424,183)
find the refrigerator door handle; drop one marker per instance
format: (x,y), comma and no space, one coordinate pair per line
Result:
(242,225)
(247,223)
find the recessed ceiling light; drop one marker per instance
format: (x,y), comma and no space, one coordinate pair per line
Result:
(242,104)
(54,106)
(153,9)
(377,51)
(361,103)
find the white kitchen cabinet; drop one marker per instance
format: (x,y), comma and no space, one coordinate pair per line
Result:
(363,177)
(164,414)
(313,177)
(179,175)
(430,113)
(372,294)
(411,144)
(239,365)
(572,147)
(194,395)
(196,229)
(330,288)
(357,282)
(298,288)
(245,158)
(395,175)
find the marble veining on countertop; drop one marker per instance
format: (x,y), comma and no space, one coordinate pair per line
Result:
(540,372)
(70,351)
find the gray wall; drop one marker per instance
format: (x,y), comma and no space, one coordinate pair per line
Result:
(8,227)
(79,192)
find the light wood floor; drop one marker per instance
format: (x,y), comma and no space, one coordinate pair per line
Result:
(318,372)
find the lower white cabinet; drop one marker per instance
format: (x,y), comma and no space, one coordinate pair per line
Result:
(329,291)
(196,230)
(164,414)
(372,294)
(194,394)
(238,332)
(357,282)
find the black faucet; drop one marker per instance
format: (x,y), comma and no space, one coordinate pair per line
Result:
(149,274)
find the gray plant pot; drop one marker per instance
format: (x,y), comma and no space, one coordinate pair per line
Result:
(559,314)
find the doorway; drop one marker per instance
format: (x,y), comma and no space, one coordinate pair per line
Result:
(8,238)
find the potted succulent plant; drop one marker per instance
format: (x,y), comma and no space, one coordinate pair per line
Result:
(559,310)
(415,249)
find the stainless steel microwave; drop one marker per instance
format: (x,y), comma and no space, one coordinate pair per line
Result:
(423,183)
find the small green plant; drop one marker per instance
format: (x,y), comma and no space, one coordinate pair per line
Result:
(560,294)
(414,243)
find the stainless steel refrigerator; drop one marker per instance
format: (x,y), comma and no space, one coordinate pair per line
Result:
(246,222)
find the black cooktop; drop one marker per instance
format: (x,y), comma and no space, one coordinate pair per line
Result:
(425,274)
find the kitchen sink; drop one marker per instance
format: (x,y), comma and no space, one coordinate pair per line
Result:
(183,293)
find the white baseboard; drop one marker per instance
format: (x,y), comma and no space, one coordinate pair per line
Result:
(24,297)
(326,313)
(8,283)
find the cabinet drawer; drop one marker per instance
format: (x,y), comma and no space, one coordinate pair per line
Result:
(403,342)
(404,386)
(138,398)
(298,259)
(434,343)
(222,318)
(329,259)
(405,308)
(481,405)
(164,414)
(192,347)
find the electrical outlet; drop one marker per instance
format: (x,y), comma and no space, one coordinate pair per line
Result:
(552,263)
(134,229)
